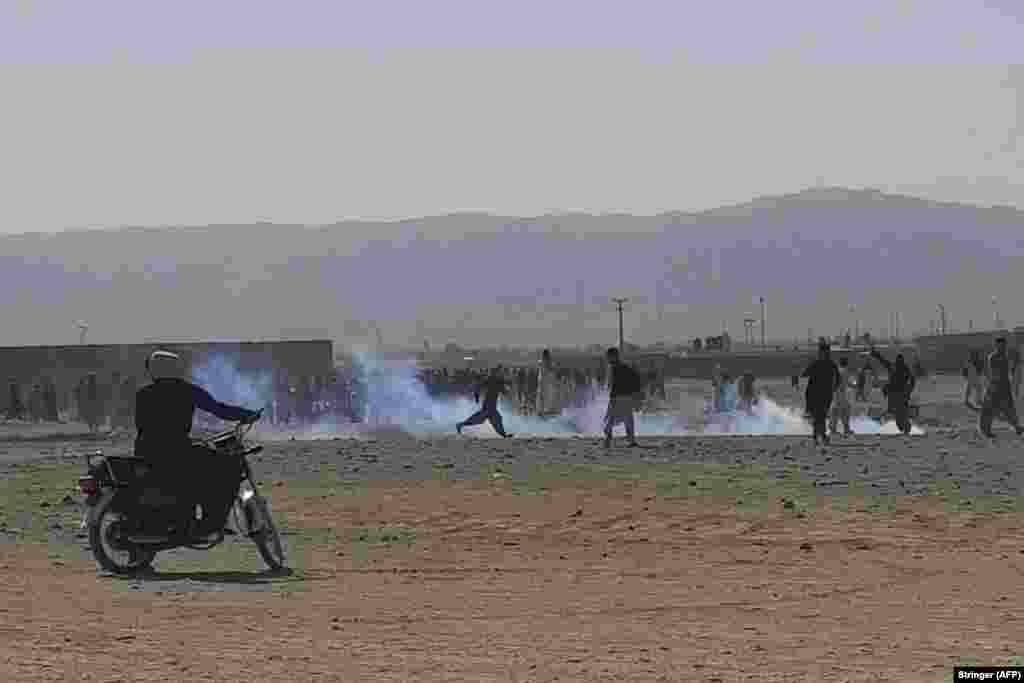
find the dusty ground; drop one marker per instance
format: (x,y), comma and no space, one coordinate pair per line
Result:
(538,560)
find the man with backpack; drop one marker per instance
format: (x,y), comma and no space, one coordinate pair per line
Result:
(625,387)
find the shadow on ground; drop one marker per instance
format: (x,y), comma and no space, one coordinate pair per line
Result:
(218,577)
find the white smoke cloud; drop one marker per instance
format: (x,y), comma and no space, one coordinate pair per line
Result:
(219,374)
(395,399)
(768,417)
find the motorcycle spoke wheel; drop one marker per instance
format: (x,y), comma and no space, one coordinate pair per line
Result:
(113,555)
(267,538)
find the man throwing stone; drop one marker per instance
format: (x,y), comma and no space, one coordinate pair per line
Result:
(492,387)
(626,384)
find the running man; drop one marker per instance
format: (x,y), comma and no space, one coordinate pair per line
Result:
(492,387)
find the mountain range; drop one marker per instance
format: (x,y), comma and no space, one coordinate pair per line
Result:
(481,279)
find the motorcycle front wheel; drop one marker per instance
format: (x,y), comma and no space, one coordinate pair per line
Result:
(112,552)
(265,534)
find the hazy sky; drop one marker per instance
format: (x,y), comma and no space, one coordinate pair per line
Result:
(154,112)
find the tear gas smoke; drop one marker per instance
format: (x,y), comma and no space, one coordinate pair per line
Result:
(767,417)
(220,375)
(395,398)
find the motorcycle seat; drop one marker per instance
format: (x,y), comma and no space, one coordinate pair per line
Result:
(124,469)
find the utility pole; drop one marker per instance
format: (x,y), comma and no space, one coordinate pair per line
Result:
(942,319)
(378,335)
(762,325)
(619,303)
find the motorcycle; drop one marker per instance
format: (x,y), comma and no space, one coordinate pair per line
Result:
(129,519)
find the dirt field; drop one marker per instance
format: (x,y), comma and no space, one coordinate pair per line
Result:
(729,558)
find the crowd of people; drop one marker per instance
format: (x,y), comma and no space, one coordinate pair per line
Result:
(992,382)
(103,401)
(831,389)
(545,388)
(92,401)
(828,400)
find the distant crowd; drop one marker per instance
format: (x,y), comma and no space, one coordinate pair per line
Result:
(91,401)
(567,387)
(107,401)
(547,387)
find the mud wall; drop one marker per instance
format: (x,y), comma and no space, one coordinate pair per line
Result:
(65,366)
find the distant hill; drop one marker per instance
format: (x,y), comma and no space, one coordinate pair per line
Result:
(489,280)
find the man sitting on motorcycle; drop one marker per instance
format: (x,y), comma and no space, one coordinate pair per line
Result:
(163,417)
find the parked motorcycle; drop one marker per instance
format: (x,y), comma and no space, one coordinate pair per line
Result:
(130,519)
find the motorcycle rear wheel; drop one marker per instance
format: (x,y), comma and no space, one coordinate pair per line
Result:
(117,558)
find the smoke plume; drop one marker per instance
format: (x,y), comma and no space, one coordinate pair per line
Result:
(396,399)
(219,374)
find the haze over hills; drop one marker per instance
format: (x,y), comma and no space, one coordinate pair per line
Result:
(488,280)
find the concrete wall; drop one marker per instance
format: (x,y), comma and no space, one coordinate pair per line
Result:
(947,352)
(66,365)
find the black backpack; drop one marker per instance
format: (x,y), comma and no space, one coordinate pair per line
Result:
(634,382)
